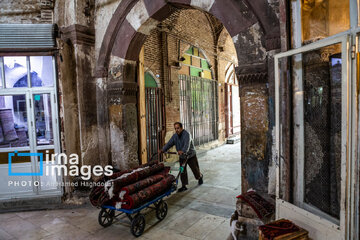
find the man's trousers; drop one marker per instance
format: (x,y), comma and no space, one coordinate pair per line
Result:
(194,165)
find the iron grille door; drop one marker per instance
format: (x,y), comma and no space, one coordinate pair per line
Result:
(154,120)
(198,108)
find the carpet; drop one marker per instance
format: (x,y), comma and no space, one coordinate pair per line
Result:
(122,184)
(137,199)
(262,207)
(278,228)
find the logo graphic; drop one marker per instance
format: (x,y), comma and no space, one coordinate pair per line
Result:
(15,153)
(59,164)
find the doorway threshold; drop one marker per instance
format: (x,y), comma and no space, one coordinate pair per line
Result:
(29,203)
(233,139)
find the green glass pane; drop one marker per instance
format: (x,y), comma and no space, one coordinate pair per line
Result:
(150,81)
(195,71)
(190,51)
(204,64)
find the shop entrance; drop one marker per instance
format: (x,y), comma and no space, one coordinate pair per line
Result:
(28,126)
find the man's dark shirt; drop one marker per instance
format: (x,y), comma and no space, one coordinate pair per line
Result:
(182,142)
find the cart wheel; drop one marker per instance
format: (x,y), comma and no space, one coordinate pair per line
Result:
(161,210)
(106,217)
(138,225)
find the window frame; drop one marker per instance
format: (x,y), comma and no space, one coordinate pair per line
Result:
(29,92)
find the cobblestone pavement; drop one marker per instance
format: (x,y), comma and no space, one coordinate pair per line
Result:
(202,212)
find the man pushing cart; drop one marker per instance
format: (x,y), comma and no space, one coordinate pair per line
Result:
(131,191)
(187,154)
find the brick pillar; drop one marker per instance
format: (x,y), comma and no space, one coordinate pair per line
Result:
(122,110)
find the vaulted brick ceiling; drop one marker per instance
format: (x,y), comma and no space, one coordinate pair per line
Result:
(123,38)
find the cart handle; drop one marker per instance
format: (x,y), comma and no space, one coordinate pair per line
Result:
(181,168)
(171,153)
(154,154)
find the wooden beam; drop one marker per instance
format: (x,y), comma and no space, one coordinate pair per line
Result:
(142,108)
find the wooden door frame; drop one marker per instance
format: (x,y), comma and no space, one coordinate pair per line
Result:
(142,109)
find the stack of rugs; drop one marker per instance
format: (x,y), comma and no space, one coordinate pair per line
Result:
(262,207)
(130,189)
(282,229)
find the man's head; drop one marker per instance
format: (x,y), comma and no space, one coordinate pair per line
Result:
(178,127)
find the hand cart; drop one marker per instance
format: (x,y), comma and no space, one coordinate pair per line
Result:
(137,219)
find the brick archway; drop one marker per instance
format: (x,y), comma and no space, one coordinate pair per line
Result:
(134,19)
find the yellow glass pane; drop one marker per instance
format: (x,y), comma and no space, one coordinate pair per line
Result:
(321,19)
(187,59)
(207,74)
(196,52)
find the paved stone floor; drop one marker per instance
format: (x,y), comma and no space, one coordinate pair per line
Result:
(202,212)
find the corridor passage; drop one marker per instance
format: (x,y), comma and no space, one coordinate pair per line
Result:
(201,212)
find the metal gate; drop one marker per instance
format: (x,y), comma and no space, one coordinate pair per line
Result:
(154,120)
(199,108)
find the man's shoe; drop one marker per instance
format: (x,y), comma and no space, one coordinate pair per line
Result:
(182,189)
(201,180)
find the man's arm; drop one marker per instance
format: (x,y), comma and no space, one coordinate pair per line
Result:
(169,144)
(186,145)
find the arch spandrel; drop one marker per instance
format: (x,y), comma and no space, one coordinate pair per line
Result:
(123,40)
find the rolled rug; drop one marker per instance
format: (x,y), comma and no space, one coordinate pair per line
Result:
(139,185)
(137,199)
(98,194)
(101,195)
(95,194)
(132,177)
(118,174)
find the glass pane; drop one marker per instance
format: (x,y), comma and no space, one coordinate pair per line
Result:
(48,182)
(15,72)
(18,181)
(42,72)
(321,18)
(43,120)
(322,128)
(204,64)
(13,121)
(196,62)
(4,158)
(187,59)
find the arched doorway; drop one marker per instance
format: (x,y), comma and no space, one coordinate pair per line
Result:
(129,29)
(198,97)
(154,114)
(232,102)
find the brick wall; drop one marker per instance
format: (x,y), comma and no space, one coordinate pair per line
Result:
(26,11)
(226,54)
(169,41)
